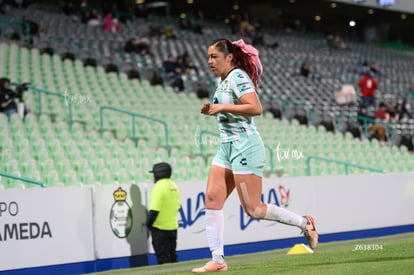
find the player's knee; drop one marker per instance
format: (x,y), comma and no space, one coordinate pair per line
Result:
(214,201)
(212,197)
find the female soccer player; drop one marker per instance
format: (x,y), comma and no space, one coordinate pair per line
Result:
(240,159)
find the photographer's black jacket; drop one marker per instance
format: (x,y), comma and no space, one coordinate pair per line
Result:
(6,96)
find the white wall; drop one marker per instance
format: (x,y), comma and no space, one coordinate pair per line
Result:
(80,224)
(41,227)
(338,204)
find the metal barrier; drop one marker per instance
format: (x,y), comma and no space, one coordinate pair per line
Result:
(133,116)
(288,102)
(365,121)
(21,26)
(59,95)
(41,184)
(206,132)
(344,163)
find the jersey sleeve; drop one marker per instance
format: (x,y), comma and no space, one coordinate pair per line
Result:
(242,84)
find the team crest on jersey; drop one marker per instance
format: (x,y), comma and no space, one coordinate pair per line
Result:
(225,85)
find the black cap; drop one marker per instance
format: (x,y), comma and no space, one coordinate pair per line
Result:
(161,170)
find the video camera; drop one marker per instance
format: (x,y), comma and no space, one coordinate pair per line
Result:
(20,89)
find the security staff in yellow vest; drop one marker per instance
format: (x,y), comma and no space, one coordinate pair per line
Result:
(162,219)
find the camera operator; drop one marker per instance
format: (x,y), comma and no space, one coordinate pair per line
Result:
(8,97)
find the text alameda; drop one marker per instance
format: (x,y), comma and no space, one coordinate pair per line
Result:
(24,231)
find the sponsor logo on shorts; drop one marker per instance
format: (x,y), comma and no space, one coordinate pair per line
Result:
(243,161)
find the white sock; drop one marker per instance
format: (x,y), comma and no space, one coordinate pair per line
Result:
(276,213)
(215,232)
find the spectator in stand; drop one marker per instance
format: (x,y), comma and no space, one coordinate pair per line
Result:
(94,19)
(373,67)
(336,42)
(340,43)
(173,73)
(361,68)
(107,23)
(27,26)
(180,65)
(111,24)
(368,85)
(379,129)
(305,70)
(34,27)
(69,8)
(246,29)
(189,65)
(140,47)
(169,33)
(144,46)
(400,111)
(84,17)
(364,67)
(131,46)
(116,26)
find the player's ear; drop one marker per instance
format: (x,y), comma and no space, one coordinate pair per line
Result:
(229,58)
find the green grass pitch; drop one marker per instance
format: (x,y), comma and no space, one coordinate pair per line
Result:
(385,255)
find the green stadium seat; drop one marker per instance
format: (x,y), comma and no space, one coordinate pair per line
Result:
(69,177)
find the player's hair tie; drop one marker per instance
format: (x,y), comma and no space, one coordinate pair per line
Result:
(251,51)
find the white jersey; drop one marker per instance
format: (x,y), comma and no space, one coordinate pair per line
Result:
(236,84)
